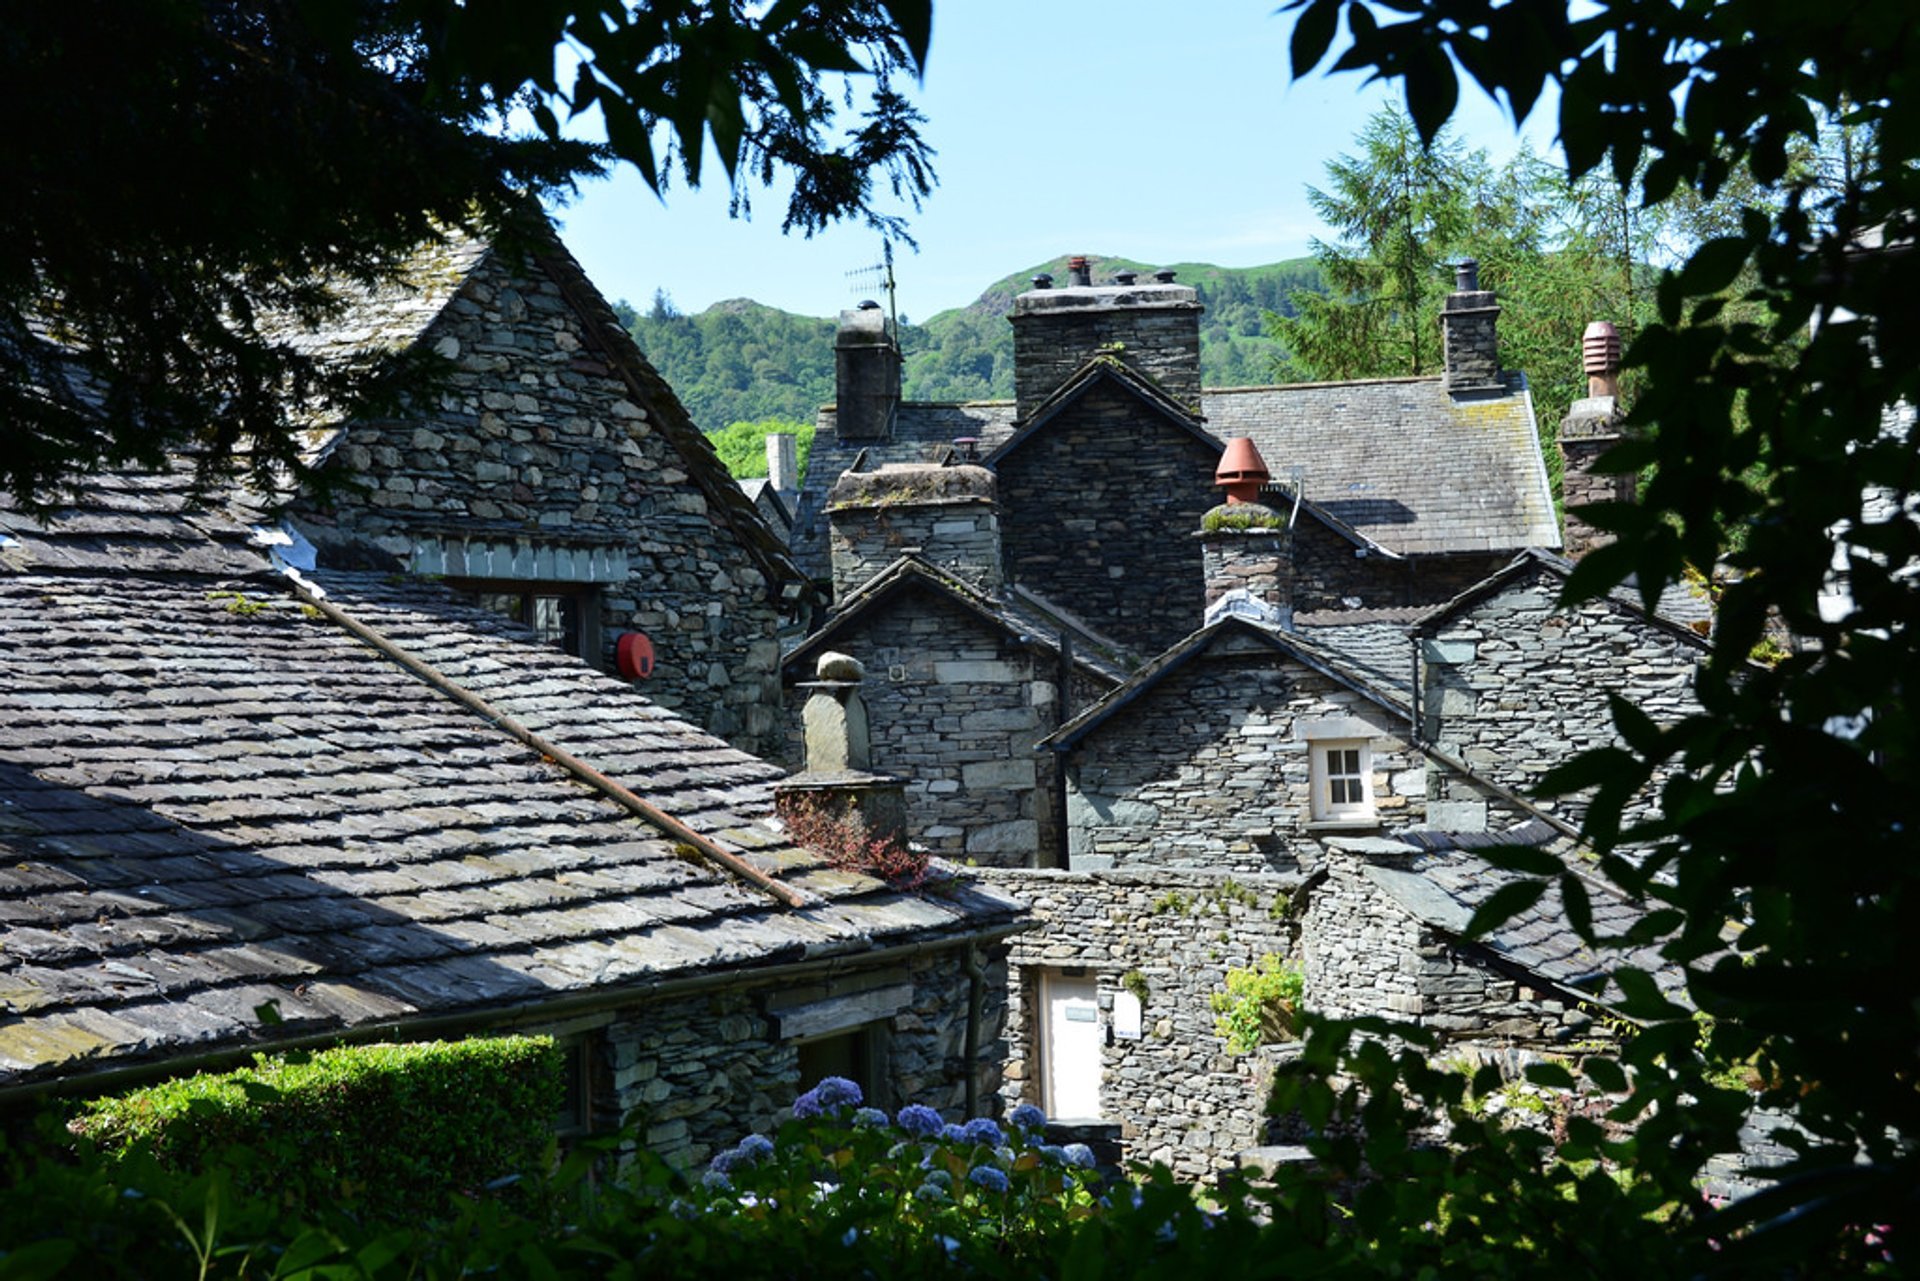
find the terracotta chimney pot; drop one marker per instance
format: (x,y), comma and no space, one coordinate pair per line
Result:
(1242,472)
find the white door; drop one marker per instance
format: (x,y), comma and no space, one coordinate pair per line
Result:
(1072,1049)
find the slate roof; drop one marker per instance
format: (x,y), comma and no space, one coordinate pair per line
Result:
(1686,607)
(1025,621)
(1102,371)
(1302,647)
(212,798)
(1372,641)
(1447,880)
(1399,463)
(1402,461)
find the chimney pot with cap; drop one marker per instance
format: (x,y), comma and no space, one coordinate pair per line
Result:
(1593,426)
(1246,549)
(1469,334)
(1125,277)
(1079,274)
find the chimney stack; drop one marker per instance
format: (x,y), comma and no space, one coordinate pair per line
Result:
(1246,549)
(866,368)
(1154,328)
(838,784)
(783,466)
(1469,334)
(945,515)
(1592,427)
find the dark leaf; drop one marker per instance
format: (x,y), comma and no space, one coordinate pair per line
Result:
(1503,905)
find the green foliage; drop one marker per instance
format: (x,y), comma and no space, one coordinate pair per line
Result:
(743,446)
(739,362)
(394,1129)
(1135,981)
(1787,853)
(1172,902)
(1260,1005)
(1241,518)
(191,170)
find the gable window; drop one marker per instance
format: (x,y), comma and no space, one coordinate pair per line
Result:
(1343,781)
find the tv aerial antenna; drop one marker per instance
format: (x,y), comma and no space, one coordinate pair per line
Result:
(865,282)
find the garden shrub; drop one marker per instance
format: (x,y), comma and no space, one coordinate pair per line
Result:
(1260,1005)
(395,1129)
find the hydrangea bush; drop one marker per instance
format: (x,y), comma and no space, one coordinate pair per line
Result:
(903,1191)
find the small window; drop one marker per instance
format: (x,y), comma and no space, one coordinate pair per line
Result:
(859,1055)
(561,618)
(1343,781)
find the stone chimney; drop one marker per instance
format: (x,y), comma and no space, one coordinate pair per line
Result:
(838,783)
(946,515)
(866,369)
(783,466)
(1155,328)
(1246,549)
(1469,334)
(1592,427)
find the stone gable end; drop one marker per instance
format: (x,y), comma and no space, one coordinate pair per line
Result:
(537,463)
(1512,684)
(1099,512)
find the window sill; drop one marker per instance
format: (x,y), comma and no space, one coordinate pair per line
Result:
(1367,824)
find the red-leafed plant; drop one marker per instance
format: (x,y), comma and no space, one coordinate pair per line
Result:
(844,840)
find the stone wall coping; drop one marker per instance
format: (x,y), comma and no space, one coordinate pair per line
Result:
(1148,877)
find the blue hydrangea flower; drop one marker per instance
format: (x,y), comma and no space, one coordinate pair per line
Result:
(931,1191)
(940,1179)
(988,1177)
(717,1181)
(723,1162)
(952,1133)
(919,1120)
(1055,1153)
(870,1118)
(982,1130)
(1079,1154)
(1027,1118)
(827,1098)
(755,1147)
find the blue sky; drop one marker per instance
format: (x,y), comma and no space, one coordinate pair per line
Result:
(1062,126)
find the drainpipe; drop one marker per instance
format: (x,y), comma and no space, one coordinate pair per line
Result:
(976,1003)
(1062,714)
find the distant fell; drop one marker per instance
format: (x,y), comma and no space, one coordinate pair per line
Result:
(740,361)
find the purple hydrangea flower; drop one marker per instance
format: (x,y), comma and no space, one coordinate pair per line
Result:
(981,1130)
(1027,1118)
(988,1177)
(723,1162)
(919,1120)
(1079,1154)
(755,1147)
(870,1118)
(827,1098)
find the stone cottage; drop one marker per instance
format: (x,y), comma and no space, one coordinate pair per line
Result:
(551,474)
(233,787)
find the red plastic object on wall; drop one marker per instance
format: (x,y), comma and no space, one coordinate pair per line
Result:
(633,654)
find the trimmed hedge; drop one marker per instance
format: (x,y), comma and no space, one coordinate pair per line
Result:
(395,1129)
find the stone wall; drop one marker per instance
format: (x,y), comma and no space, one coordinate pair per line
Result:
(1176,1094)
(1210,769)
(1100,508)
(1154,328)
(1512,685)
(955,706)
(536,465)
(696,1073)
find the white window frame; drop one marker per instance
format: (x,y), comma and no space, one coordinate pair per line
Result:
(1347,810)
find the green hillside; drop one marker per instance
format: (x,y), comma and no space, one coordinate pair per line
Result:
(739,361)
